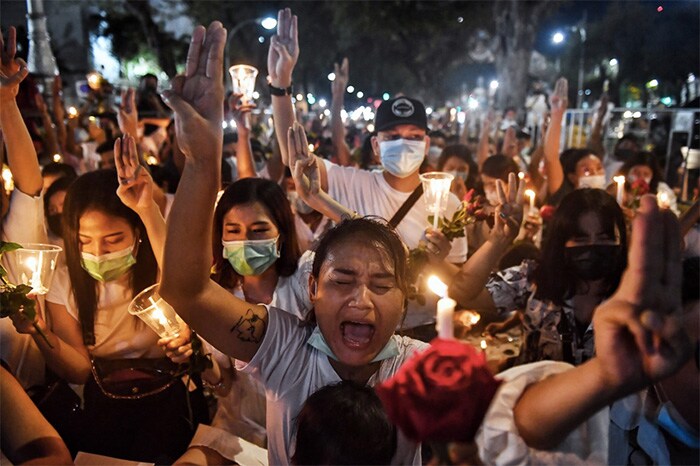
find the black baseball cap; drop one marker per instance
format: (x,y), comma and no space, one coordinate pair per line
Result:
(400,111)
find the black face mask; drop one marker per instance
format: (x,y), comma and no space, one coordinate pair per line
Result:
(55,225)
(592,262)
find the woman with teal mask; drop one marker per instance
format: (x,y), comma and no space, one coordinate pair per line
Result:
(134,408)
(256,258)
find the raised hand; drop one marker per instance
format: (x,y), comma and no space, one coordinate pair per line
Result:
(307,177)
(197,98)
(40,103)
(639,338)
(510,143)
(509,213)
(128,117)
(342,77)
(284,50)
(135,184)
(559,100)
(241,112)
(12,70)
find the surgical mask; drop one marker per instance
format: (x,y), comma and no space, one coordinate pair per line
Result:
(670,420)
(401,157)
(108,267)
(592,262)
(492,197)
(55,225)
(298,203)
(592,181)
(632,178)
(390,350)
(251,257)
(375,168)
(461,175)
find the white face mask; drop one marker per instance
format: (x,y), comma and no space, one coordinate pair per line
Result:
(592,181)
(401,157)
(461,175)
(492,197)
(632,178)
(434,155)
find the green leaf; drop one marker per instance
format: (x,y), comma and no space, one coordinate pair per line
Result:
(8,247)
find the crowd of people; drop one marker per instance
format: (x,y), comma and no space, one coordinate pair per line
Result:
(289,250)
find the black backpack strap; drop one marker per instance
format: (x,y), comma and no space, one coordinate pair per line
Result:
(406,206)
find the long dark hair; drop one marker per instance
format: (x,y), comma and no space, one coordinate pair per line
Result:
(272,197)
(554,280)
(648,160)
(98,191)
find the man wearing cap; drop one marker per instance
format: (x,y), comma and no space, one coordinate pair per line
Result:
(401,142)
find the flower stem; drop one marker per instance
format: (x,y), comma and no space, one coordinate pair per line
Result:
(43,335)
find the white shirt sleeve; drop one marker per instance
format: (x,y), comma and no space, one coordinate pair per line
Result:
(498,440)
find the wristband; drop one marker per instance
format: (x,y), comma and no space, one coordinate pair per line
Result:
(278,91)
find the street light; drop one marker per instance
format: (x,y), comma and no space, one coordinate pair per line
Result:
(267,22)
(557,37)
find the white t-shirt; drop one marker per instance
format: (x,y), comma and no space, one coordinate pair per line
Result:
(118,334)
(23,224)
(368,193)
(241,413)
(291,371)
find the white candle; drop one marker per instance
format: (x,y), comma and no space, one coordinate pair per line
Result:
(531,194)
(620,180)
(445,314)
(444,323)
(662,200)
(483,346)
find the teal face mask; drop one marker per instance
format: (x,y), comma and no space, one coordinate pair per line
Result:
(251,257)
(317,340)
(108,267)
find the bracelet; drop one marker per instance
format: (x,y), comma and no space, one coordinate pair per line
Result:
(278,91)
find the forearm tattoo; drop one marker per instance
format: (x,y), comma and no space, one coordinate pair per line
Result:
(251,327)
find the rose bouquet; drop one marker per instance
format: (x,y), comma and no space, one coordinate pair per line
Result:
(441,394)
(470,211)
(638,188)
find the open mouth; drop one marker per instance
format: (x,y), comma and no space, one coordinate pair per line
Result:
(356,334)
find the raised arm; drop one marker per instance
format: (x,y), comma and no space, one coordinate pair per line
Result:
(128,116)
(306,172)
(136,190)
(639,338)
(595,142)
(468,286)
(50,138)
(281,59)
(244,151)
(338,86)
(482,152)
(552,165)
(21,156)
(231,325)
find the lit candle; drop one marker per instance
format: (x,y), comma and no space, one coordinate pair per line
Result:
(531,194)
(521,175)
(483,346)
(445,308)
(620,180)
(663,200)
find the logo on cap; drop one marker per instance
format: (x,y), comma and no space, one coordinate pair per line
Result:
(402,108)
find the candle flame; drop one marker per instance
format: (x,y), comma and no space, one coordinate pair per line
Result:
(619,179)
(483,344)
(160,317)
(530,193)
(437,286)
(521,175)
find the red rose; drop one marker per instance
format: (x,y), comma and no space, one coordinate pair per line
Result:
(468,196)
(441,394)
(547,212)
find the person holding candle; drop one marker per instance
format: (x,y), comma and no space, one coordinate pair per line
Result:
(401,143)
(358,289)
(22,215)
(581,264)
(642,174)
(134,406)
(258,260)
